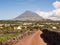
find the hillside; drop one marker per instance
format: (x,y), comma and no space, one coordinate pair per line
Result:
(30,16)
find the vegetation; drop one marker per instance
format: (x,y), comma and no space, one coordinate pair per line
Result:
(8,29)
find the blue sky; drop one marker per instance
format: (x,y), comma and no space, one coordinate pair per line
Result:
(12,8)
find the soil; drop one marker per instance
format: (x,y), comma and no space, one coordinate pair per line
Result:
(33,39)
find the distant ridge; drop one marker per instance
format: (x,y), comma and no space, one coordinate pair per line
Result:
(29,15)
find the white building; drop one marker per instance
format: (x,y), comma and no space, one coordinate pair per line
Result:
(54,27)
(19,27)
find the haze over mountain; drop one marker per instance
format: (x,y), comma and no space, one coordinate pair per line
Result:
(29,15)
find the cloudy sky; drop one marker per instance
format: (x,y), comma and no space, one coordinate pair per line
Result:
(46,8)
(54,14)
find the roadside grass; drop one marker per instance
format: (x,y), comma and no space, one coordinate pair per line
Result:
(5,37)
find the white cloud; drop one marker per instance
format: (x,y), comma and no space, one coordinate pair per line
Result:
(44,14)
(54,14)
(56,4)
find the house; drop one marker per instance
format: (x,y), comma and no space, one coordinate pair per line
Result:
(19,27)
(54,27)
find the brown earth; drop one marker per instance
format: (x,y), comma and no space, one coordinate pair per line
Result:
(33,39)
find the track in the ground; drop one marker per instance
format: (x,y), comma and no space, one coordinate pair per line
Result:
(33,39)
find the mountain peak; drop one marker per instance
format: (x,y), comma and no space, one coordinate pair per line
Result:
(29,15)
(28,11)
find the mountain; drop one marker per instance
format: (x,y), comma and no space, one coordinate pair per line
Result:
(29,15)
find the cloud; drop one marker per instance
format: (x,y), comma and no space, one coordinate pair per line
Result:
(44,14)
(56,4)
(54,14)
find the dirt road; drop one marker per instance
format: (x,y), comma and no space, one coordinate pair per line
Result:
(33,39)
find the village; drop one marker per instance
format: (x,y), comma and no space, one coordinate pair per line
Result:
(25,25)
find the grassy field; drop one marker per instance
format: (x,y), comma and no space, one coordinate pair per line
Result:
(5,37)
